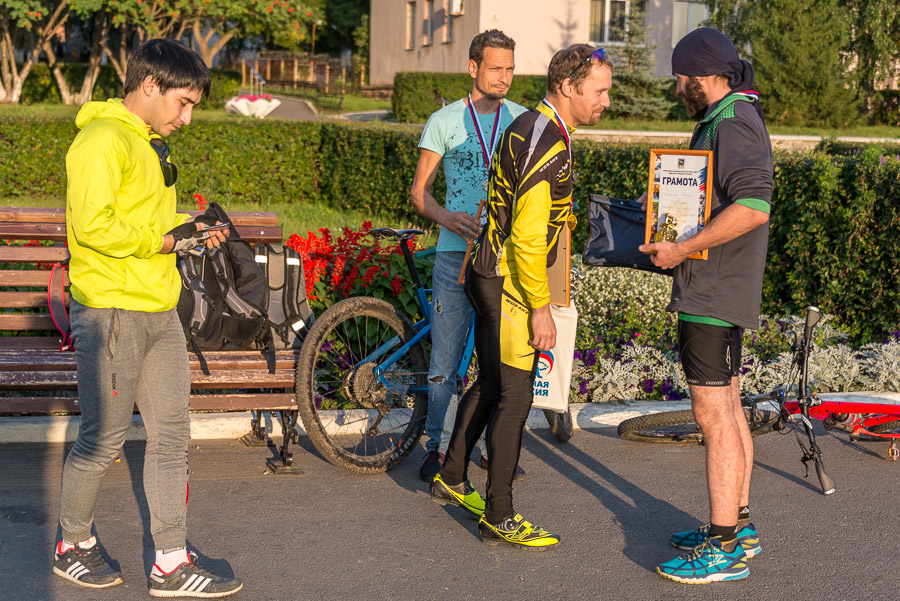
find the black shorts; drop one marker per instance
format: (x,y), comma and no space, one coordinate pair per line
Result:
(710,354)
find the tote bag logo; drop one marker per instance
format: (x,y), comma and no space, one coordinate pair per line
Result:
(545,364)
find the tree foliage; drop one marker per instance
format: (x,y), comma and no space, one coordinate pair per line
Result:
(796,53)
(874,43)
(636,91)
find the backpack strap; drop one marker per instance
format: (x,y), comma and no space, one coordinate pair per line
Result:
(190,266)
(56,300)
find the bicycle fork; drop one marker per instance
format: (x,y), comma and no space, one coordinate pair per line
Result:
(813,453)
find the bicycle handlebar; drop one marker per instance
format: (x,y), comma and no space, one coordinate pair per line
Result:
(812,318)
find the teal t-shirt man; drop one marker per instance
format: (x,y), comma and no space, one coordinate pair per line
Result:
(450,132)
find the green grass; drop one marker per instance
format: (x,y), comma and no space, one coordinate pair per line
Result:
(353,103)
(294,217)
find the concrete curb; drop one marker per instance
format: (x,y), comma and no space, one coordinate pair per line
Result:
(210,426)
(206,426)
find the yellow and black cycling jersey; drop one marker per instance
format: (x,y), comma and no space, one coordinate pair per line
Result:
(529,199)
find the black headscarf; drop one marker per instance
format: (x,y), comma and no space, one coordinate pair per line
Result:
(707,51)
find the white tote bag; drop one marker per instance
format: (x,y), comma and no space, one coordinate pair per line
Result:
(554,371)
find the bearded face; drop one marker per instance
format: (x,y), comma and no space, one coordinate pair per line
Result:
(695,99)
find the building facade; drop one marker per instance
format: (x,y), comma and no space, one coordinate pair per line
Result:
(434,35)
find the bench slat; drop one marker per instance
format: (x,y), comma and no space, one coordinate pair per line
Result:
(19,344)
(26,321)
(268,401)
(57,233)
(33,254)
(26,300)
(42,360)
(28,277)
(58,215)
(226,379)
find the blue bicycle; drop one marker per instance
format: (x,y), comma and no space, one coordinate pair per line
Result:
(362,377)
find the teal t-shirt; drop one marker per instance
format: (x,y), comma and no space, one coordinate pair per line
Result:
(451,133)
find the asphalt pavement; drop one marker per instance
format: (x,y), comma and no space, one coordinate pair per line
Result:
(330,534)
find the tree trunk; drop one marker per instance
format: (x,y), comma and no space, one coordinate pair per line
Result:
(201,42)
(64,92)
(13,85)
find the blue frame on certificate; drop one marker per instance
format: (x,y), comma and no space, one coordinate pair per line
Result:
(678,195)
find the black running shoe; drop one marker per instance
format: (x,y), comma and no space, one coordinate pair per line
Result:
(431,466)
(190,580)
(85,567)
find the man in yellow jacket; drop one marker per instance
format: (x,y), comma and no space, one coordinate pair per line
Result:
(130,349)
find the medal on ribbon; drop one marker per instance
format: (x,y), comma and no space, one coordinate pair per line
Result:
(486,153)
(571,220)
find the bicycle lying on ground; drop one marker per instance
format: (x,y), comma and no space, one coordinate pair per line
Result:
(362,377)
(864,419)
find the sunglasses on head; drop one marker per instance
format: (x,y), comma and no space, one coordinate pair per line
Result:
(169,171)
(599,54)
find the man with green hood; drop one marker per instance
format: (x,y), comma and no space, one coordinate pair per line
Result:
(122,229)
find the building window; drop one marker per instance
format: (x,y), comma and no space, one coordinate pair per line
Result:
(608,19)
(448,23)
(428,25)
(410,25)
(686,17)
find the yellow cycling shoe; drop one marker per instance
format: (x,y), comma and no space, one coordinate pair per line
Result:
(517,532)
(462,495)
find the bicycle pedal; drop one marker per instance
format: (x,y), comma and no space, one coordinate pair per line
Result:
(893,451)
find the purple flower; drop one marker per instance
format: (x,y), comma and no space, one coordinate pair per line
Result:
(648,385)
(582,386)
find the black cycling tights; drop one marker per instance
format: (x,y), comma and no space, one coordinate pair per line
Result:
(500,398)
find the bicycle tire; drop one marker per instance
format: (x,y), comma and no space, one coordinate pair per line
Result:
(340,399)
(886,427)
(680,427)
(560,424)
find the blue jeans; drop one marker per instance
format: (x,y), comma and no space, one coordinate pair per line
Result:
(451,314)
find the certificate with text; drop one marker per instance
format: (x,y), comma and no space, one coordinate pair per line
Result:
(678,195)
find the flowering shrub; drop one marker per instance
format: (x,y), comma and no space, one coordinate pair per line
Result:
(626,347)
(254,97)
(357,264)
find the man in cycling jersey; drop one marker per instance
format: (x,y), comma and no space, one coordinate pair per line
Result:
(452,140)
(529,204)
(718,297)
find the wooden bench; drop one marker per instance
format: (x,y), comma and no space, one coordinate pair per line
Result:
(37,378)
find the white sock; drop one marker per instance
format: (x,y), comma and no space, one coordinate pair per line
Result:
(169,560)
(65,545)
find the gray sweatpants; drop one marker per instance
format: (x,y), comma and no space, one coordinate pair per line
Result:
(126,358)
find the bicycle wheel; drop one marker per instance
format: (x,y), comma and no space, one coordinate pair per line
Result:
(352,418)
(679,427)
(560,424)
(887,428)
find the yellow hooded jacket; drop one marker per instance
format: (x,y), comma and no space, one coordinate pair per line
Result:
(117,211)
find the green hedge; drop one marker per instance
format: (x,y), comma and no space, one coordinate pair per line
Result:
(833,240)
(418,94)
(835,147)
(834,220)
(40,86)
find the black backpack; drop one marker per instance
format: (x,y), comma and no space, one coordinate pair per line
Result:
(223,297)
(286,304)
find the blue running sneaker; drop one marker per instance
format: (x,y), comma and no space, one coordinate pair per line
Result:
(706,563)
(748,539)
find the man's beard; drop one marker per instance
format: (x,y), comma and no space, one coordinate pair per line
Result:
(491,95)
(695,99)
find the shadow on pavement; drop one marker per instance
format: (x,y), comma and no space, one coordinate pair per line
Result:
(640,515)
